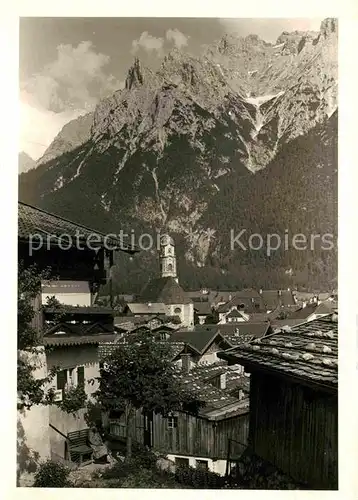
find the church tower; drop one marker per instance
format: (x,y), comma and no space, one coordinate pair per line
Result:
(168,263)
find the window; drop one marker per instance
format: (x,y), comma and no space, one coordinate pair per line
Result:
(182,461)
(242,306)
(202,464)
(170,267)
(71,374)
(172,422)
(61,379)
(81,376)
(177,310)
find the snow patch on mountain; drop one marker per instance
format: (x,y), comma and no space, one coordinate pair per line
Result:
(259,100)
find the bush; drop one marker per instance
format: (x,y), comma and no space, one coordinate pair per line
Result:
(145,458)
(75,399)
(52,475)
(119,470)
(197,478)
(141,478)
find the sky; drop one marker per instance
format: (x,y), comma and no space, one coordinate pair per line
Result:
(68,64)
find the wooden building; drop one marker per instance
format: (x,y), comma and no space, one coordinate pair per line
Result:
(293,400)
(198,440)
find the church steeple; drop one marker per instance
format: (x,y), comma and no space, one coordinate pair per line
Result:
(168,264)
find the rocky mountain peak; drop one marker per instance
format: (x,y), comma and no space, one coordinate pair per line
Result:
(294,42)
(73,134)
(135,75)
(329,26)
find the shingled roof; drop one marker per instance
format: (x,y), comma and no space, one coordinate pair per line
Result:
(244,331)
(34,221)
(67,340)
(219,403)
(307,353)
(200,338)
(142,308)
(251,300)
(314,308)
(165,290)
(106,348)
(274,298)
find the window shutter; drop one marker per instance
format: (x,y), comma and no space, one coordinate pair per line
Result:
(81,376)
(61,379)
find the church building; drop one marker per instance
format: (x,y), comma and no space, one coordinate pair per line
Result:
(166,289)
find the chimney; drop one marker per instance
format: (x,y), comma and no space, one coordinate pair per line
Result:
(241,394)
(223,381)
(185,362)
(260,291)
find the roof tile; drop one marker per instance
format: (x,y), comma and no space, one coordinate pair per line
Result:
(32,221)
(309,351)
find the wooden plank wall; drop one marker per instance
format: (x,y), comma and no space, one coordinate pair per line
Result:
(296,429)
(236,429)
(193,436)
(117,428)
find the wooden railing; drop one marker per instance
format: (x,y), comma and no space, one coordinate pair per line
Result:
(59,432)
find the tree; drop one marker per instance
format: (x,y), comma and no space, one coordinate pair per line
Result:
(140,374)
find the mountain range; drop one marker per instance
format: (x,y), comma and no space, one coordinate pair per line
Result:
(243,137)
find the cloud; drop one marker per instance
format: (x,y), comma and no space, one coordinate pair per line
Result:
(148,43)
(39,126)
(75,80)
(64,89)
(177,37)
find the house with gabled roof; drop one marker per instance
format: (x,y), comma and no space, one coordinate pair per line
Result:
(245,301)
(312,311)
(293,403)
(245,331)
(233,315)
(204,341)
(70,329)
